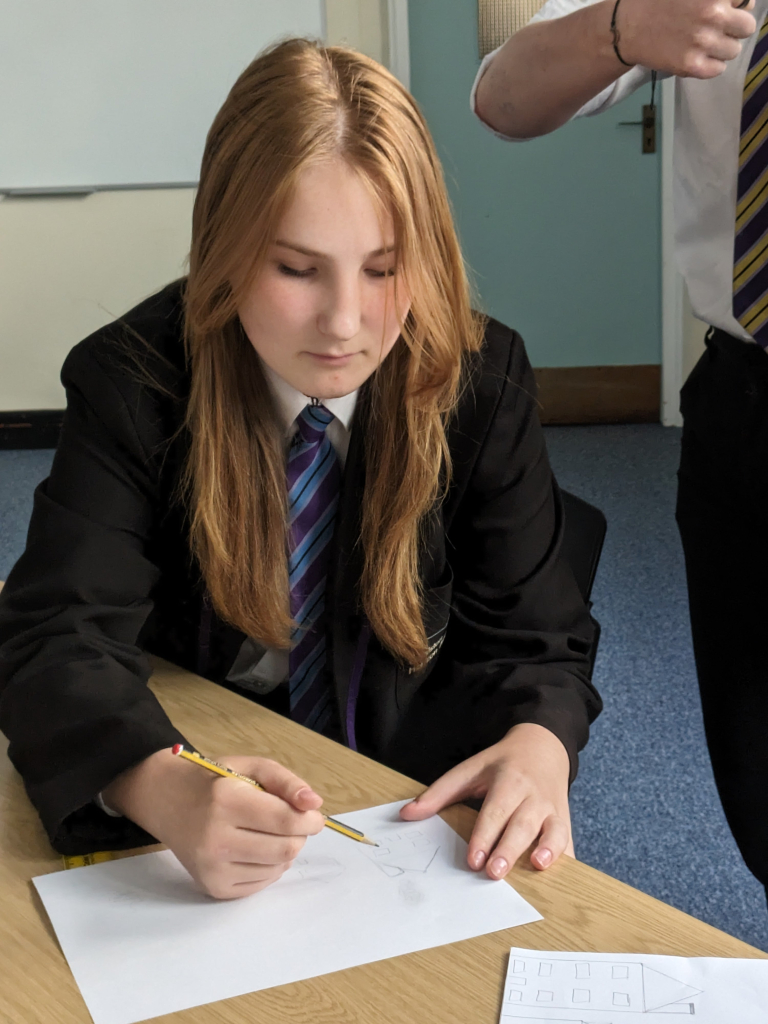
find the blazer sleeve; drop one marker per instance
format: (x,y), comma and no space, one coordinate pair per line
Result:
(74,702)
(519,635)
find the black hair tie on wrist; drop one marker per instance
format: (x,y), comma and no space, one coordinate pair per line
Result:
(615,34)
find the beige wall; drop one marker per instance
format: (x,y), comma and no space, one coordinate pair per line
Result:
(70,265)
(67,266)
(359,23)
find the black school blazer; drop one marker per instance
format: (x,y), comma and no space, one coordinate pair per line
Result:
(107,578)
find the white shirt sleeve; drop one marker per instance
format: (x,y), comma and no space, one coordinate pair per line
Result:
(99,801)
(614,93)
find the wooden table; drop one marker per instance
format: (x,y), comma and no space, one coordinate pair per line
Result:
(583,909)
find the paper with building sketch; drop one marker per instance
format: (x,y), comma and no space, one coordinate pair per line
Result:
(632,988)
(141,941)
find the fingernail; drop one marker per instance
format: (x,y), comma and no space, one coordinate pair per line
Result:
(478,859)
(304,792)
(544,857)
(499,867)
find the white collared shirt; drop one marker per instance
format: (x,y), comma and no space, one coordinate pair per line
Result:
(290,403)
(252,669)
(707,130)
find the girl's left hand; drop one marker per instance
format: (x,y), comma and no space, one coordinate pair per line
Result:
(524,780)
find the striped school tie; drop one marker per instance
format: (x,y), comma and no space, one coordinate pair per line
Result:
(750,259)
(313,477)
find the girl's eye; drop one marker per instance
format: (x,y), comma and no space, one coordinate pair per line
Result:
(293,272)
(390,272)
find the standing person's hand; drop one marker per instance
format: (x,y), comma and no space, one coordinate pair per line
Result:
(232,838)
(524,780)
(546,72)
(690,38)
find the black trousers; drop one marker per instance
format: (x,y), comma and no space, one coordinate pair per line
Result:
(722,513)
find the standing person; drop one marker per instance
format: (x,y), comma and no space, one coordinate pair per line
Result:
(576,59)
(311,473)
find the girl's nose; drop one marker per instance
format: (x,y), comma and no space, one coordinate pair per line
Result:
(341,316)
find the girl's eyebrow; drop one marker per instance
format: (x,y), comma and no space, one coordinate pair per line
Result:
(324,256)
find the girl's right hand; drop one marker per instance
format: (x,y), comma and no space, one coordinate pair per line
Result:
(232,838)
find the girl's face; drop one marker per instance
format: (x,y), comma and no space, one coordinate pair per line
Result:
(322,313)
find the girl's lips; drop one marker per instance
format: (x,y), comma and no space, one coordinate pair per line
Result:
(332,360)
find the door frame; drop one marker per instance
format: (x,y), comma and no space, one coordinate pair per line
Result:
(672,286)
(399,41)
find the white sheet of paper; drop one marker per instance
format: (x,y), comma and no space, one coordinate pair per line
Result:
(142,941)
(628,988)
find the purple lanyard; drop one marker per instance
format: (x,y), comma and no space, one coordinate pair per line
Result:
(354,683)
(204,635)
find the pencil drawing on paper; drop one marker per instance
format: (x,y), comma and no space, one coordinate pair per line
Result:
(407,849)
(590,986)
(317,869)
(542,1020)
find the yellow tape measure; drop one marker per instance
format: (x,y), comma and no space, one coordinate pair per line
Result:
(85,859)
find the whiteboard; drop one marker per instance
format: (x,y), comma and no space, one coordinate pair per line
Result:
(121,93)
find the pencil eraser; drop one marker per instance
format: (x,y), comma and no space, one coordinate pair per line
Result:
(177,748)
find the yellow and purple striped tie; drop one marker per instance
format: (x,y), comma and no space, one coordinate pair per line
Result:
(313,478)
(750,258)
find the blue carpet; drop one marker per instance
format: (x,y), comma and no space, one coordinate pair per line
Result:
(644,805)
(20,473)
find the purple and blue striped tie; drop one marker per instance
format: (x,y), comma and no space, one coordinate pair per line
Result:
(313,477)
(750,258)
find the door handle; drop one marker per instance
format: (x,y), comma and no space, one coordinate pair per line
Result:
(648,124)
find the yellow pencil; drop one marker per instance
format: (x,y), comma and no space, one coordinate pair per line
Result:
(213,766)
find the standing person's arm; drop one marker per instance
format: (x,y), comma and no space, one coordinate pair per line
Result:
(548,70)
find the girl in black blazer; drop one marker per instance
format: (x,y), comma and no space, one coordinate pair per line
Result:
(400,589)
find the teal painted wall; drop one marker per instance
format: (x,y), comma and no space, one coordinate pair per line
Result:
(561,233)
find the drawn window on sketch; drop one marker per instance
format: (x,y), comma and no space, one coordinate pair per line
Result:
(497,20)
(317,869)
(600,985)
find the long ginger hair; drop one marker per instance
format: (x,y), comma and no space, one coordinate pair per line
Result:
(296,104)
